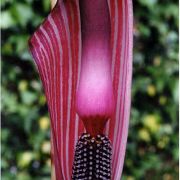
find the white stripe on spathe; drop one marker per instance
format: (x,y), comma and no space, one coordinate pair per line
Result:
(120,138)
(118,101)
(54,94)
(123,103)
(47,68)
(55,30)
(78,75)
(117,121)
(46,74)
(43,61)
(61,95)
(128,87)
(41,70)
(69,88)
(54,67)
(44,68)
(55,70)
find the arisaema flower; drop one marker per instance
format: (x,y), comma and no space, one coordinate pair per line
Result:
(83,52)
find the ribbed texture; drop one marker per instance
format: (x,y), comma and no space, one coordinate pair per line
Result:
(92,158)
(56,49)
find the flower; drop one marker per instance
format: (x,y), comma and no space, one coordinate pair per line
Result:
(58,53)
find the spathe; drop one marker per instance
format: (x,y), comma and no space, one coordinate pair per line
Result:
(56,49)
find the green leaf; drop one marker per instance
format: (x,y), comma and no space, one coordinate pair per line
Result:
(28,97)
(20,10)
(7,20)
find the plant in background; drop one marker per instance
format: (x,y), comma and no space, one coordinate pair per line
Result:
(83,52)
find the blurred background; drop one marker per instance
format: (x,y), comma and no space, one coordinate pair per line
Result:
(152,149)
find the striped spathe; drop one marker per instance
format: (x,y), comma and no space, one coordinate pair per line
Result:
(56,49)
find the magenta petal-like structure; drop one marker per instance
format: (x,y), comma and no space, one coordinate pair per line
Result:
(57,51)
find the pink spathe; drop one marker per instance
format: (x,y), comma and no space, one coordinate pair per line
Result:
(61,48)
(95,92)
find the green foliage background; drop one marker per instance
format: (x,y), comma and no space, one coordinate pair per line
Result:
(152,149)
